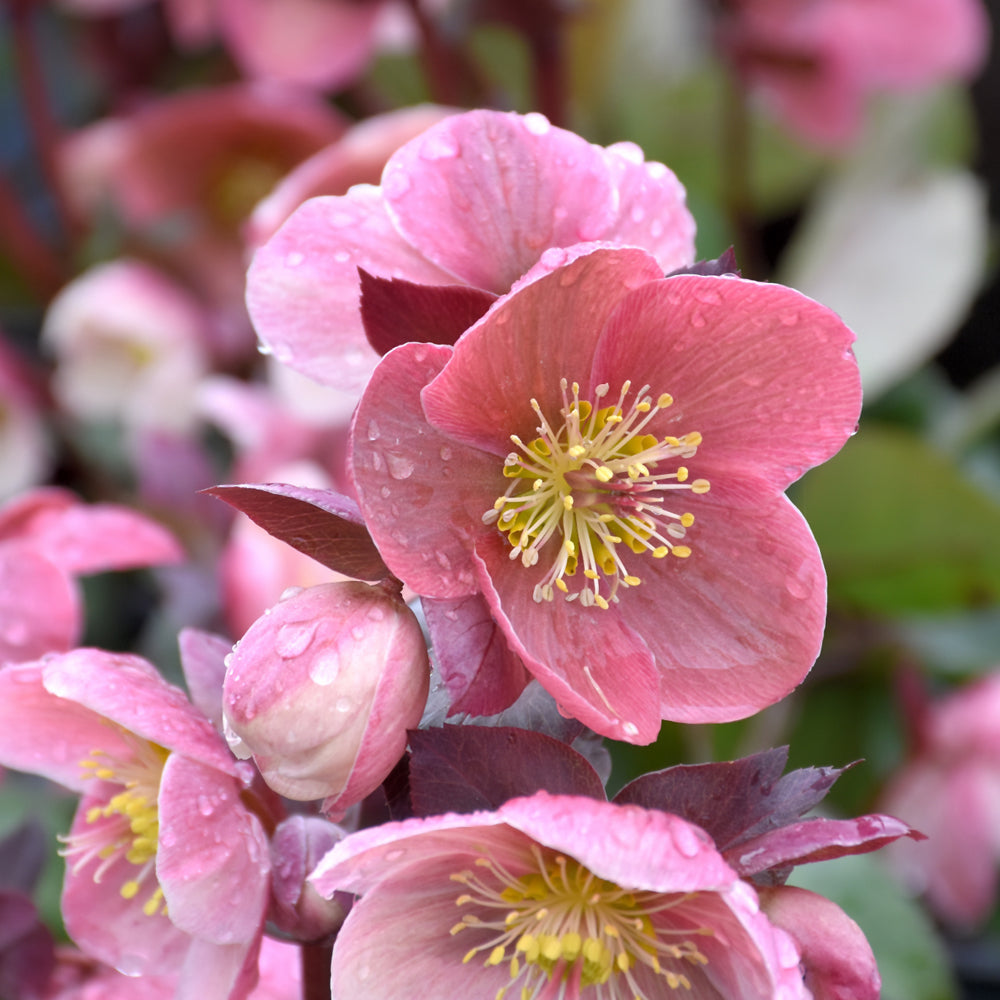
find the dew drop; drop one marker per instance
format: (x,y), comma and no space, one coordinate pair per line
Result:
(656,170)
(344,705)
(446,472)
(373,431)
(294,259)
(324,669)
(656,229)
(798,587)
(294,638)
(395,855)
(206,806)
(697,319)
(292,591)
(342,256)
(536,123)
(439,146)
(553,257)
(341,220)
(384,492)
(445,453)
(357,633)
(637,214)
(376,462)
(396,185)
(442,560)
(376,614)
(686,841)
(400,466)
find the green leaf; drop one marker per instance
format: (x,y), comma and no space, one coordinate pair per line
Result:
(911,958)
(901,529)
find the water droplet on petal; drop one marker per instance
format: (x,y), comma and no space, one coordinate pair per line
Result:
(445,453)
(536,123)
(357,633)
(342,256)
(293,638)
(294,259)
(637,214)
(439,146)
(686,841)
(400,466)
(396,184)
(384,492)
(553,257)
(290,592)
(324,669)
(373,431)
(344,705)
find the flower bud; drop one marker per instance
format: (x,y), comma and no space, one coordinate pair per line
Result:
(322,688)
(297,909)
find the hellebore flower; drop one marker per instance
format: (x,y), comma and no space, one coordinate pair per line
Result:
(551,896)
(167,870)
(558,458)
(817,63)
(475,200)
(955,772)
(323,687)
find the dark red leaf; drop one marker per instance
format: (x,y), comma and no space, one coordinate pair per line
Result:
(395,311)
(467,768)
(325,525)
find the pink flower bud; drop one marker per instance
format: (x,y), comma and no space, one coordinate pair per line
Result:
(322,688)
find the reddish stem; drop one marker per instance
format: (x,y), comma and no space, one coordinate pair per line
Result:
(316,958)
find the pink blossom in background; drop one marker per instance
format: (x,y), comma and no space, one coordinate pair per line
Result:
(167,871)
(603,457)
(547,896)
(47,538)
(816,62)
(182,173)
(25,449)
(129,345)
(475,200)
(949,789)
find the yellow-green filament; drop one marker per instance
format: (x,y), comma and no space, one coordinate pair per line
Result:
(595,486)
(561,924)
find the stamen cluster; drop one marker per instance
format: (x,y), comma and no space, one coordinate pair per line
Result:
(563,928)
(596,486)
(135,835)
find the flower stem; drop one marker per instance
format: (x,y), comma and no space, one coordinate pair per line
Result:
(316,959)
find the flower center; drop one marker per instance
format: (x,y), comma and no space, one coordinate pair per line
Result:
(127,825)
(594,486)
(564,928)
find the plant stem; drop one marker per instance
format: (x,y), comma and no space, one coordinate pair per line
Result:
(316,959)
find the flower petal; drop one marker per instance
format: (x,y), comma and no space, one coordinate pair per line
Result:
(598,669)
(483,194)
(212,861)
(422,494)
(303,292)
(765,374)
(740,622)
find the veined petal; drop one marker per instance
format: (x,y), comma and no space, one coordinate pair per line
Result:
(483,194)
(303,291)
(764,373)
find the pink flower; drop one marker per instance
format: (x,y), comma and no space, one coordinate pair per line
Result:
(557,460)
(817,62)
(167,870)
(475,200)
(47,539)
(950,790)
(545,897)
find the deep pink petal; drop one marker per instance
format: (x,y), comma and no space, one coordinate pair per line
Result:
(546,331)
(738,624)
(422,494)
(836,955)
(302,287)
(129,691)
(212,862)
(765,374)
(228,971)
(483,194)
(598,669)
(651,208)
(482,673)
(108,926)
(39,604)
(47,735)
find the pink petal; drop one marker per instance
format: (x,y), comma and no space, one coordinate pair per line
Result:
(422,494)
(765,374)
(545,331)
(315,43)
(47,735)
(212,861)
(227,971)
(129,691)
(114,929)
(203,656)
(302,286)
(651,209)
(598,669)
(481,672)
(740,622)
(838,961)
(484,193)
(39,604)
